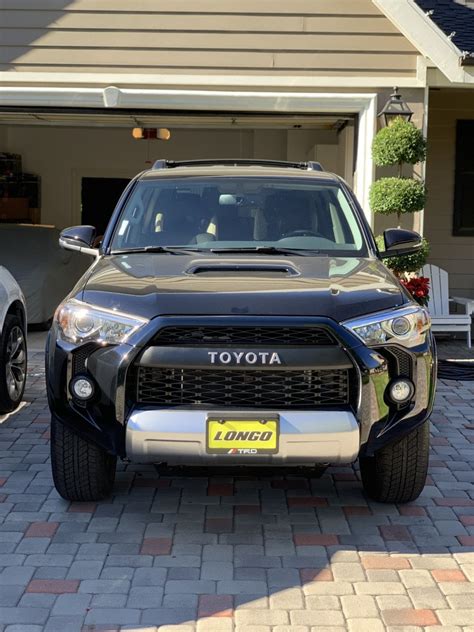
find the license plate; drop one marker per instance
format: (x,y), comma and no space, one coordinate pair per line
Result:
(236,436)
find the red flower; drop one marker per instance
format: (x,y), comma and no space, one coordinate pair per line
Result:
(419,288)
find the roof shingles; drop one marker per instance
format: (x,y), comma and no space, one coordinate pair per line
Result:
(454,19)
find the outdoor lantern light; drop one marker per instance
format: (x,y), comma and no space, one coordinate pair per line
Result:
(394,107)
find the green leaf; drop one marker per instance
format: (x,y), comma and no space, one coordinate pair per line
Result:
(397,195)
(400,142)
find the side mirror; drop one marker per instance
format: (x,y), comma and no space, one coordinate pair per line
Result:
(79,238)
(399,241)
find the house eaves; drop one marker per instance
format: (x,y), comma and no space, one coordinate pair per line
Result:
(434,44)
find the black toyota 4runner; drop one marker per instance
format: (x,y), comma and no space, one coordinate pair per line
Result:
(238,312)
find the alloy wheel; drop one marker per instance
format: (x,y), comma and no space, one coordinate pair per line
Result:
(15,363)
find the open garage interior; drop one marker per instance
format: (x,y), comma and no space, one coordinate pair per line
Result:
(84,158)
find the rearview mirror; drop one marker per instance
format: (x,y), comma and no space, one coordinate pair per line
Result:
(399,241)
(79,238)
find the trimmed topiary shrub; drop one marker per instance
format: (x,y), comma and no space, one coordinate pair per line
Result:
(400,142)
(397,195)
(407,263)
(397,144)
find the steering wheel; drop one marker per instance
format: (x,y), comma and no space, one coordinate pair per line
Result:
(302,233)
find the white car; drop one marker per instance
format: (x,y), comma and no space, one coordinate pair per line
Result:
(13,353)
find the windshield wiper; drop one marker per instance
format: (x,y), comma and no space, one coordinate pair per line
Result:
(268,250)
(153,249)
(259,250)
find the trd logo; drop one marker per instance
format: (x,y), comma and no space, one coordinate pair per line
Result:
(249,435)
(242,451)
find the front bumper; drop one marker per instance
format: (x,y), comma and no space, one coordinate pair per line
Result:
(179,437)
(177,434)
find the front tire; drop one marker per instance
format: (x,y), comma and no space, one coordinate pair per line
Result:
(397,473)
(13,361)
(82,471)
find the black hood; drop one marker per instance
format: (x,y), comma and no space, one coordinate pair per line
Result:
(152,285)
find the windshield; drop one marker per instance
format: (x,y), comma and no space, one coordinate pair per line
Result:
(220,213)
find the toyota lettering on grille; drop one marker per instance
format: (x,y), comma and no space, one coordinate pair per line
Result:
(242,357)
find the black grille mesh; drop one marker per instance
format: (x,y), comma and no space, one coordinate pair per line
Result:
(404,361)
(250,336)
(399,361)
(80,356)
(236,388)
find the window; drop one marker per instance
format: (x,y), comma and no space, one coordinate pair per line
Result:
(464,180)
(222,212)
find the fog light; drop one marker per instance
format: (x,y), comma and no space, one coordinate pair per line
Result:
(82,388)
(400,391)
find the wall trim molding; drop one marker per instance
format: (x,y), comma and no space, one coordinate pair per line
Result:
(278,82)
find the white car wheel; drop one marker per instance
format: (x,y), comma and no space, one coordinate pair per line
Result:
(13,361)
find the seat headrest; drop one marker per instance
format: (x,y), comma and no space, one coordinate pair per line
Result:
(294,200)
(186,203)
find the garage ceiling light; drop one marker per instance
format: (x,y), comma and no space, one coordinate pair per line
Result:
(151,133)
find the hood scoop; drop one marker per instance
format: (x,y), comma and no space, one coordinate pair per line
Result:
(244,268)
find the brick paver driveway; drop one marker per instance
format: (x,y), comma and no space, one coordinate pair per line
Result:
(236,551)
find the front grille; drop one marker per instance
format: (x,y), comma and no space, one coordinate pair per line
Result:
(249,336)
(302,389)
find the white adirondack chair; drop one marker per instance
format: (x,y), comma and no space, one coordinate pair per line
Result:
(438,306)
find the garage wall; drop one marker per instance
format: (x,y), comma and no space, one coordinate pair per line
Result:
(63,155)
(325,37)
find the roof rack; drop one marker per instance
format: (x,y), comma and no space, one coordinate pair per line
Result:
(170,164)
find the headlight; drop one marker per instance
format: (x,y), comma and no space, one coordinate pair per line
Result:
(406,326)
(80,322)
